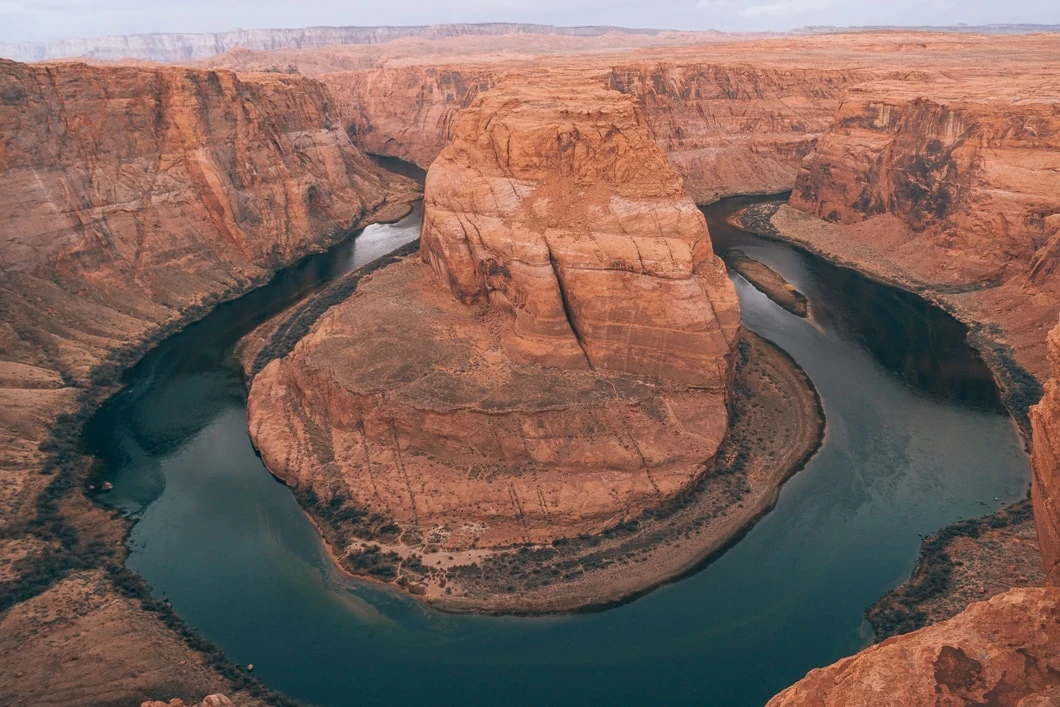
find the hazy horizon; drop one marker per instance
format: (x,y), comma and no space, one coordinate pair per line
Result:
(50,20)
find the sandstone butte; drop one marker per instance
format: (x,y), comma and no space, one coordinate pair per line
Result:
(559,361)
(131,199)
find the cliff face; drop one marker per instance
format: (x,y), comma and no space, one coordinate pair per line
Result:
(998,652)
(130,199)
(735,129)
(407,112)
(1045,462)
(515,213)
(950,189)
(973,182)
(727,129)
(561,364)
(146,192)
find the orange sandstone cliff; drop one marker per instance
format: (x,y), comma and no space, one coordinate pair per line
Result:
(950,188)
(726,128)
(560,360)
(131,200)
(1045,463)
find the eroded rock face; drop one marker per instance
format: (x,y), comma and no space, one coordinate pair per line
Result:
(555,203)
(407,112)
(1045,463)
(970,176)
(1000,652)
(951,190)
(726,128)
(130,199)
(558,364)
(735,129)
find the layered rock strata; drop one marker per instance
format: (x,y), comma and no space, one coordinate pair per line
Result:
(1045,463)
(130,197)
(131,200)
(558,362)
(951,190)
(734,128)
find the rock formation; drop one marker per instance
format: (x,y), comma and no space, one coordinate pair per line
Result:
(998,652)
(558,363)
(1045,463)
(131,200)
(579,225)
(731,128)
(950,190)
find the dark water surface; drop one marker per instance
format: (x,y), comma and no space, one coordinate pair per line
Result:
(915,439)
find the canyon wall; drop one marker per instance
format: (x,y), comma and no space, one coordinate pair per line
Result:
(971,179)
(735,128)
(726,128)
(951,190)
(559,361)
(407,112)
(130,200)
(1045,463)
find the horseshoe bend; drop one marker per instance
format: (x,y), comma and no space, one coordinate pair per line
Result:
(463,290)
(557,363)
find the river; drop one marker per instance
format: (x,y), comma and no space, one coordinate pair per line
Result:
(915,439)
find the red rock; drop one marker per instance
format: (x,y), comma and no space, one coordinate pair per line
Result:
(1005,651)
(563,363)
(1045,463)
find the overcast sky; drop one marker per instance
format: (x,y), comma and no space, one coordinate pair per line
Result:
(55,19)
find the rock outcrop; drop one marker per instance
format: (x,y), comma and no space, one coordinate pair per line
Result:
(950,189)
(214,700)
(130,201)
(559,363)
(999,652)
(553,202)
(1045,464)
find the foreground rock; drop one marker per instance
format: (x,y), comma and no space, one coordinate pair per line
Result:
(1045,463)
(999,652)
(559,363)
(131,201)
